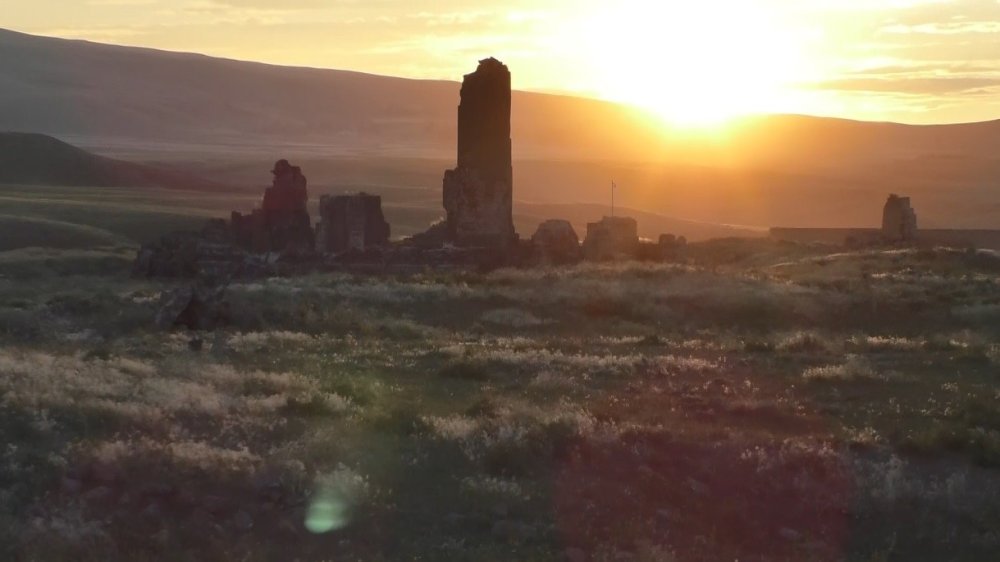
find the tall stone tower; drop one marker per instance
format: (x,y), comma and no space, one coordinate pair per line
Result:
(478,194)
(899,220)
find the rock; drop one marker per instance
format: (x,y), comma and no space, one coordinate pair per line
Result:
(790,535)
(105,473)
(215,504)
(899,220)
(697,487)
(71,485)
(613,238)
(209,254)
(242,521)
(154,511)
(575,555)
(556,242)
(512,531)
(351,223)
(100,494)
(196,308)
(478,194)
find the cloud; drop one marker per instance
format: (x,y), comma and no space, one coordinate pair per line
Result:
(930,86)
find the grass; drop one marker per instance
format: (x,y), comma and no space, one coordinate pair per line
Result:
(756,403)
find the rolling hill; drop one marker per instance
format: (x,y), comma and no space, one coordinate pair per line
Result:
(228,120)
(36,159)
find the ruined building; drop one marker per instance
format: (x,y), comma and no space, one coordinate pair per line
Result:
(555,242)
(350,223)
(899,220)
(478,194)
(282,223)
(611,239)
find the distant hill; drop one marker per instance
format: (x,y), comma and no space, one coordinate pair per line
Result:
(35,159)
(81,89)
(207,113)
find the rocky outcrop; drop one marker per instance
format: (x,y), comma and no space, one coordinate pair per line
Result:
(556,242)
(613,238)
(899,220)
(282,223)
(478,194)
(351,223)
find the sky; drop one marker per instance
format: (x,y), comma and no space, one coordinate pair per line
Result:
(692,61)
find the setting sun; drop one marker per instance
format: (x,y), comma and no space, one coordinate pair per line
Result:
(686,63)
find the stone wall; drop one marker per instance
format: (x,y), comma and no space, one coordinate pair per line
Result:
(351,223)
(612,238)
(899,220)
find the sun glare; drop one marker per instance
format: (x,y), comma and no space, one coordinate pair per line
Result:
(697,64)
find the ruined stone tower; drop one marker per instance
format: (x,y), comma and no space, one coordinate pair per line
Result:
(478,194)
(899,220)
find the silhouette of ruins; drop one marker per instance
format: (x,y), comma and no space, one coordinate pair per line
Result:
(478,193)
(282,222)
(899,226)
(899,220)
(278,237)
(351,223)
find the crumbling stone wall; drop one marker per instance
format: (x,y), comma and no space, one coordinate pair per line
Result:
(612,238)
(351,223)
(478,194)
(899,220)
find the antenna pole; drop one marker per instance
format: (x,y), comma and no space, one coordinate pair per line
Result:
(613,186)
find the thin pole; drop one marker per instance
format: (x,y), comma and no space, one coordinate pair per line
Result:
(613,186)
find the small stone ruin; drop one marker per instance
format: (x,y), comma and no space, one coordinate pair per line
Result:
(351,223)
(613,238)
(478,194)
(282,223)
(672,248)
(555,242)
(899,220)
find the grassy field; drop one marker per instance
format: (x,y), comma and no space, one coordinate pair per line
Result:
(763,402)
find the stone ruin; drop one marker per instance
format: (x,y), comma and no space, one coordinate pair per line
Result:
(478,193)
(555,242)
(278,238)
(351,223)
(282,223)
(613,238)
(671,248)
(899,220)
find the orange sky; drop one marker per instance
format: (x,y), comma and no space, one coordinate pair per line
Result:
(695,62)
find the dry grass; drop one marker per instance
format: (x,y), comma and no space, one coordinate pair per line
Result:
(614,412)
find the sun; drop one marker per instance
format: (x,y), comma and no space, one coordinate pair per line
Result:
(696,63)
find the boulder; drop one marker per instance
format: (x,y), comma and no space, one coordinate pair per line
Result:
(197,307)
